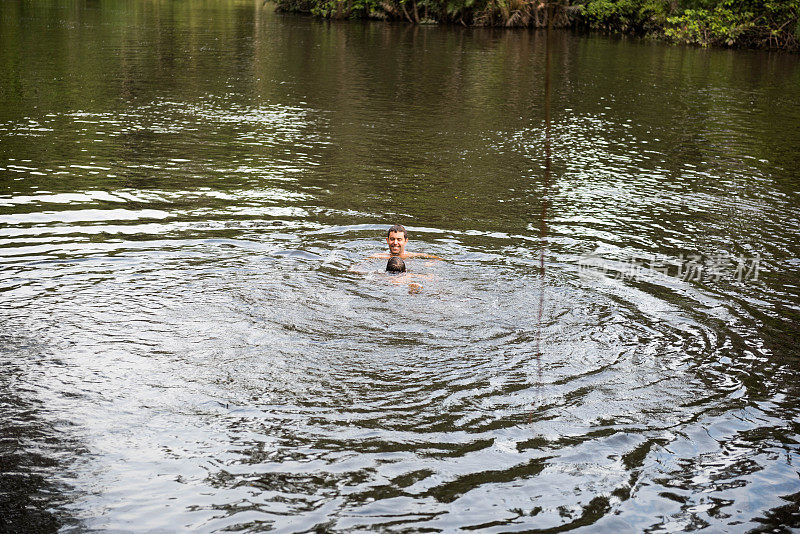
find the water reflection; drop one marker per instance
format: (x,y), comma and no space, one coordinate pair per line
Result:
(35,463)
(180,208)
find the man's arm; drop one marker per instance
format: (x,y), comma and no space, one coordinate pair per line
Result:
(407,278)
(407,255)
(422,255)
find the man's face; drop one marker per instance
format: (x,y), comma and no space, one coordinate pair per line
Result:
(397,243)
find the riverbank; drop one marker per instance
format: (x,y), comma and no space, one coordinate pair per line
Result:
(766,24)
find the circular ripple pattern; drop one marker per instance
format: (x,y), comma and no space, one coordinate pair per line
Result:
(195,336)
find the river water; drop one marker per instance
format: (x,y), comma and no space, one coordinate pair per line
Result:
(192,338)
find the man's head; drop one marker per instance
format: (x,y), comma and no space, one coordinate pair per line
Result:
(397,238)
(395,265)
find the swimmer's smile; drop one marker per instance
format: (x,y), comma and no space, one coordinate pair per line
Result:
(397,243)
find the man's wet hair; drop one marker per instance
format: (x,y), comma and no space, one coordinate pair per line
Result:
(395,265)
(397,228)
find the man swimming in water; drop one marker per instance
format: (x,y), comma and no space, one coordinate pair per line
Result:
(397,239)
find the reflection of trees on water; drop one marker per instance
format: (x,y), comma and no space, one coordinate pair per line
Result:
(34,455)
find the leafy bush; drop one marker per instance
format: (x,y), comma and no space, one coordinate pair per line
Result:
(345,9)
(705,27)
(765,23)
(636,16)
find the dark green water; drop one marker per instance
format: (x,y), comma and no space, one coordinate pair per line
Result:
(186,187)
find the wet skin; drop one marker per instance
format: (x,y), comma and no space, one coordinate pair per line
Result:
(397,244)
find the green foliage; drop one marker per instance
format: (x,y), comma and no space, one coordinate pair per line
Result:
(760,23)
(341,9)
(636,16)
(753,23)
(454,10)
(294,6)
(346,8)
(705,27)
